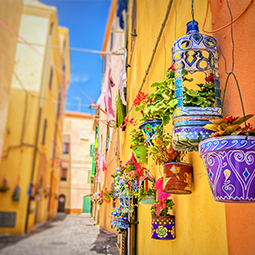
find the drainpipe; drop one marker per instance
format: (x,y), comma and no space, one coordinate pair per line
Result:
(39,118)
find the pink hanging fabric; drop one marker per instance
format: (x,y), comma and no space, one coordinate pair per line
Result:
(102,164)
(106,96)
(98,168)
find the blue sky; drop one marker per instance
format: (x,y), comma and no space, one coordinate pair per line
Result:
(86,20)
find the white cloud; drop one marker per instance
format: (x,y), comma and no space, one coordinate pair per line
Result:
(80,78)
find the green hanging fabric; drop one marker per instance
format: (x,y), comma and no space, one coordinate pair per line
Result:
(121,111)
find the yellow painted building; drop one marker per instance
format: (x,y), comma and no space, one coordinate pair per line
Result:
(33,137)
(10,15)
(203,226)
(75,173)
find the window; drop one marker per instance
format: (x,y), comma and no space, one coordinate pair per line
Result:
(63,176)
(66,148)
(51,77)
(90,178)
(44,130)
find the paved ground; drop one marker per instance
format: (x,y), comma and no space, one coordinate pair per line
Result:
(65,235)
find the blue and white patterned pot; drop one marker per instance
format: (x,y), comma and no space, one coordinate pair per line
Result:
(188,124)
(230,166)
(149,128)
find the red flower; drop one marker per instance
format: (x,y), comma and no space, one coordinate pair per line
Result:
(171,68)
(210,78)
(150,99)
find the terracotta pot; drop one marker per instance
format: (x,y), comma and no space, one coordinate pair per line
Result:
(163,227)
(230,164)
(177,178)
(108,201)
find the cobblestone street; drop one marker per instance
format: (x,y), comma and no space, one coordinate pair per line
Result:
(65,235)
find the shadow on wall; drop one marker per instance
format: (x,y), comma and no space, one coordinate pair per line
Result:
(6,240)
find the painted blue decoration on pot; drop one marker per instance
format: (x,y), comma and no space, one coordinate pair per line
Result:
(149,128)
(120,219)
(194,52)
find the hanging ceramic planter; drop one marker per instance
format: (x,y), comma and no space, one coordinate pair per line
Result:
(192,53)
(230,164)
(148,200)
(177,178)
(149,128)
(120,219)
(163,227)
(140,152)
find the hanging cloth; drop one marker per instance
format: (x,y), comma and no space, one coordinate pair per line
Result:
(106,96)
(123,78)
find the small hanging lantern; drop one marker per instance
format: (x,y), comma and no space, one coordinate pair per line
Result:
(195,53)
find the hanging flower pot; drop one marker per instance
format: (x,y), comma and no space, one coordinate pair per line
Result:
(4,186)
(163,227)
(140,152)
(120,219)
(16,194)
(149,128)
(230,164)
(177,178)
(148,200)
(195,52)
(229,159)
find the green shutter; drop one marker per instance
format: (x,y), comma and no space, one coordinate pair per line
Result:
(93,172)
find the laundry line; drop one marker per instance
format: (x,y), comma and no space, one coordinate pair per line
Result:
(76,49)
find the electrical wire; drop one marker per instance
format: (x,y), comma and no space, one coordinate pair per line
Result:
(76,49)
(153,54)
(234,20)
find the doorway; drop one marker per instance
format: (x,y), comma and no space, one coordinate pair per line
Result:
(61,203)
(86,208)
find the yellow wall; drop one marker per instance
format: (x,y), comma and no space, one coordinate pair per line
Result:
(78,161)
(18,153)
(10,13)
(200,222)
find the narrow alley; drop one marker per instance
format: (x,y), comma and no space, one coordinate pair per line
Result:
(66,234)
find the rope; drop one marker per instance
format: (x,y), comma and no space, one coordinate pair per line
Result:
(232,37)
(241,99)
(192,10)
(218,29)
(232,73)
(153,52)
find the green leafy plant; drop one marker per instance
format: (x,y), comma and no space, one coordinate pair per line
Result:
(202,97)
(163,212)
(137,137)
(162,152)
(230,126)
(161,102)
